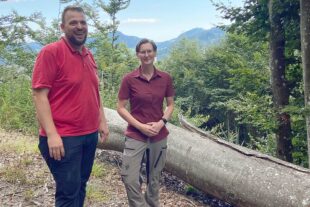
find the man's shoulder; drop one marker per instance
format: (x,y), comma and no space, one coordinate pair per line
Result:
(88,50)
(53,47)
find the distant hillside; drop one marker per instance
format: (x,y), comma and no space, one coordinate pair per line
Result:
(128,40)
(205,37)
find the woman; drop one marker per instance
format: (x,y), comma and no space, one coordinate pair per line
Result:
(146,136)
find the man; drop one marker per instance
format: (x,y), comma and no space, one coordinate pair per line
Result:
(69,110)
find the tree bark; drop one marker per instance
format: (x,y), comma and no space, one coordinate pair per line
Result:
(229,172)
(278,82)
(305,48)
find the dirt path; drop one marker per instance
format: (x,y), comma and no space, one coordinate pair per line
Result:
(25,179)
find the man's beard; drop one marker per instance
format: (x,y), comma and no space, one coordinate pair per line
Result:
(76,42)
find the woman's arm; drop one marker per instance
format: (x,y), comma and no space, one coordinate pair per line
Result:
(169,109)
(124,113)
(157,126)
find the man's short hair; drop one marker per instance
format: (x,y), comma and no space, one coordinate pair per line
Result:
(143,41)
(71,8)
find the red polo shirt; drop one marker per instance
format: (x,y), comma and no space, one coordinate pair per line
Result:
(73,87)
(146,100)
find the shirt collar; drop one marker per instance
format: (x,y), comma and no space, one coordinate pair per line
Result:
(73,50)
(137,73)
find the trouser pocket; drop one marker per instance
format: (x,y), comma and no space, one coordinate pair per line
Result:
(132,156)
(161,159)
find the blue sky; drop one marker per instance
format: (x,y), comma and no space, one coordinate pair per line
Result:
(155,19)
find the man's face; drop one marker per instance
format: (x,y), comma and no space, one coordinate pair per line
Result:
(75,27)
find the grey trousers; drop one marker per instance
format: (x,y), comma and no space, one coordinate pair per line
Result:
(135,152)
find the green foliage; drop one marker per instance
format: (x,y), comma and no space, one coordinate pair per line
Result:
(185,68)
(198,119)
(15,29)
(16,108)
(250,20)
(113,63)
(19,57)
(47,33)
(254,110)
(299,134)
(225,89)
(220,130)
(109,98)
(266,145)
(112,8)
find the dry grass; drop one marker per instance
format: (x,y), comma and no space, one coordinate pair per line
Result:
(26,181)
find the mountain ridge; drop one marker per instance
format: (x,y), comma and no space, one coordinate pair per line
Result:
(205,37)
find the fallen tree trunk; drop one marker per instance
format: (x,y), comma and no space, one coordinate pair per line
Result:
(229,172)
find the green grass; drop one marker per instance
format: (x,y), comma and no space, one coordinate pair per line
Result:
(96,193)
(98,170)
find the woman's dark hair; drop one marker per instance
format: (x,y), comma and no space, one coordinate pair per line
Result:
(71,8)
(144,41)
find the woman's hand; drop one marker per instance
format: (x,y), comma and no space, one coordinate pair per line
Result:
(156,126)
(148,129)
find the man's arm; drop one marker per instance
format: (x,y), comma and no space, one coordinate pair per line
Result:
(44,115)
(103,126)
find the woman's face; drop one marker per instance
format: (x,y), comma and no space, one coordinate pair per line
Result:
(146,54)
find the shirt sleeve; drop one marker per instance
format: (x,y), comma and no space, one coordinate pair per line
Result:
(170,88)
(124,90)
(45,70)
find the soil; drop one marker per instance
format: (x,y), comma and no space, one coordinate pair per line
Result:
(25,180)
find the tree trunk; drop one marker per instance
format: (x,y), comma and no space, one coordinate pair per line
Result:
(278,83)
(305,48)
(227,171)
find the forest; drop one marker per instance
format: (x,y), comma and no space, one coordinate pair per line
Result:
(251,89)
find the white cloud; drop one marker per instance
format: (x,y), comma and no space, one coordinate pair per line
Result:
(140,20)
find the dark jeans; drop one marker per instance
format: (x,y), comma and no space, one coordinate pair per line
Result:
(72,172)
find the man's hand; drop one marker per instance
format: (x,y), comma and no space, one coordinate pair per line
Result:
(55,147)
(103,132)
